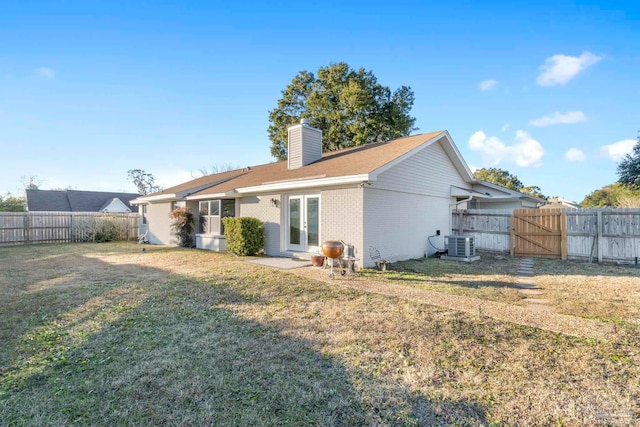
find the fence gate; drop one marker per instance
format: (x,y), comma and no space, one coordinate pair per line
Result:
(539,233)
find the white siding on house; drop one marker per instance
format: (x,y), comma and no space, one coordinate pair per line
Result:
(430,172)
(294,150)
(341,218)
(261,207)
(305,146)
(312,145)
(408,203)
(398,224)
(511,205)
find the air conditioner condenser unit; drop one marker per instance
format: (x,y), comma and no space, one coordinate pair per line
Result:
(460,246)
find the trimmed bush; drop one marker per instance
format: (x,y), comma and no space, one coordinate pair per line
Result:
(245,236)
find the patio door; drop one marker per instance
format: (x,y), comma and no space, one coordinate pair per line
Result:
(303,215)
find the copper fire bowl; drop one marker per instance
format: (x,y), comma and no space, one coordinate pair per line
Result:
(332,249)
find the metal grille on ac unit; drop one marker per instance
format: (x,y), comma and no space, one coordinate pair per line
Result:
(460,246)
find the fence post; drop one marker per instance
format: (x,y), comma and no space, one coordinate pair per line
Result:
(512,245)
(563,236)
(26,231)
(599,231)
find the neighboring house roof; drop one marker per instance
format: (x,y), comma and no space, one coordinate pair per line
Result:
(498,192)
(355,164)
(75,201)
(559,203)
(115,205)
(48,200)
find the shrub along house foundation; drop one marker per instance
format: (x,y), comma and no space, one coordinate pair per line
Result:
(390,195)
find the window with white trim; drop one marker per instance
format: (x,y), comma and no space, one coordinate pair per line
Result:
(209,219)
(211,212)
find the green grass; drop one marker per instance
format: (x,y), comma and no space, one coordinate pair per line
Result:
(103,335)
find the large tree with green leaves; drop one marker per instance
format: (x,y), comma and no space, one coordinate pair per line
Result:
(503,178)
(12,203)
(499,177)
(349,106)
(612,196)
(629,168)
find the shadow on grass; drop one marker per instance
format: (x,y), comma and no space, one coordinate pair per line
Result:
(177,351)
(465,283)
(493,264)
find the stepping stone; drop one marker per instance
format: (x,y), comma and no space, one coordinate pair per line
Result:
(531,292)
(535,301)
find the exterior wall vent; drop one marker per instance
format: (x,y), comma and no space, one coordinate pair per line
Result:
(460,246)
(304,145)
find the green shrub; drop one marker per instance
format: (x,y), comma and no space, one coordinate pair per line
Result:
(106,231)
(245,236)
(183,226)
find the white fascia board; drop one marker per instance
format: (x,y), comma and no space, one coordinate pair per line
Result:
(158,198)
(211,196)
(308,183)
(452,150)
(461,192)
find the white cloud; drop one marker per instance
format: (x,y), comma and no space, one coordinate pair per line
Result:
(486,85)
(559,69)
(525,152)
(46,73)
(618,150)
(575,155)
(558,118)
(505,127)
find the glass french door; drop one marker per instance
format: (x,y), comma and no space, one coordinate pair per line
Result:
(303,214)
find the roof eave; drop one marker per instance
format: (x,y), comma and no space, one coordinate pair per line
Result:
(157,198)
(211,196)
(305,183)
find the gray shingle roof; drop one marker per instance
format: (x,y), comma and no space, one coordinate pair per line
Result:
(74,200)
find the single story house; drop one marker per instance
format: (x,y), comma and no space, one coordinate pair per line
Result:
(80,201)
(560,203)
(389,195)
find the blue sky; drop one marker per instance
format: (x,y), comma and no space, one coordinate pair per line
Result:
(548,91)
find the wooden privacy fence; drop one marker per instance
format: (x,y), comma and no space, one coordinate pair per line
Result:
(539,233)
(58,227)
(602,234)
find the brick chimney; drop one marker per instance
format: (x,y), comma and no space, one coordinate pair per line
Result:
(305,145)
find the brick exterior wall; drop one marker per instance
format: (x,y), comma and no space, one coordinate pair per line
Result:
(260,207)
(341,217)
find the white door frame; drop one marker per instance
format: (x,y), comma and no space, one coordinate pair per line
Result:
(303,244)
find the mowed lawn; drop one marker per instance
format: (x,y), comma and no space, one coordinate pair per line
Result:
(105,335)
